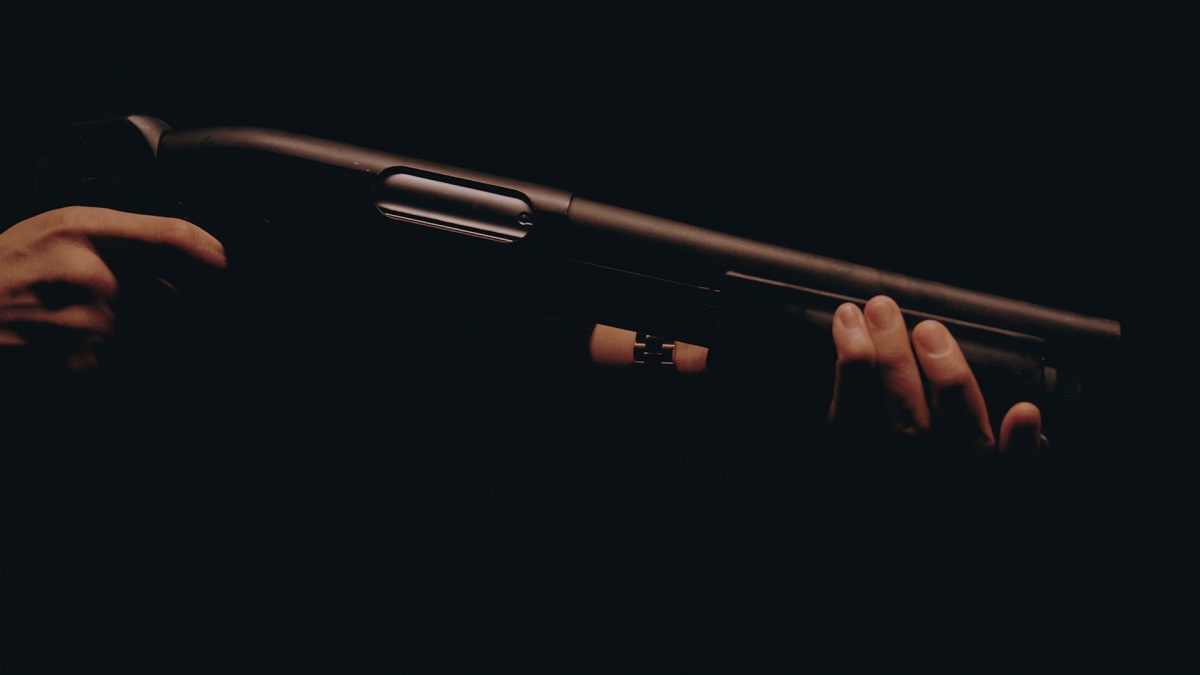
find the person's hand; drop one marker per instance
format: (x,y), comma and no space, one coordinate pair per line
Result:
(916,387)
(61,270)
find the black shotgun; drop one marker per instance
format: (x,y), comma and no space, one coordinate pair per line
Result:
(451,229)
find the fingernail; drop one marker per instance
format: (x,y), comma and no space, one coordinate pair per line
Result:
(933,339)
(850,317)
(882,315)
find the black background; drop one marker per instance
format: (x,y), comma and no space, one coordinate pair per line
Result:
(995,151)
(1001,152)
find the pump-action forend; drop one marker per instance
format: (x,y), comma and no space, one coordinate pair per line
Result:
(447,228)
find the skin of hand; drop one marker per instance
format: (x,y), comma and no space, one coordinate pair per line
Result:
(61,270)
(917,384)
(912,384)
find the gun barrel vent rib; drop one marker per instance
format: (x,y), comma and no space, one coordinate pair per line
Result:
(746,256)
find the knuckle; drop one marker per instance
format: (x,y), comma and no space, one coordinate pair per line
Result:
(89,271)
(909,419)
(69,219)
(103,283)
(914,429)
(172,231)
(856,355)
(894,362)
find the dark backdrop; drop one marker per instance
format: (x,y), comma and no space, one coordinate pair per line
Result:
(340,507)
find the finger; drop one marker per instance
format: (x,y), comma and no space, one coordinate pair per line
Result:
(157,232)
(11,338)
(854,384)
(1021,429)
(60,261)
(75,274)
(67,337)
(959,410)
(35,322)
(611,346)
(907,410)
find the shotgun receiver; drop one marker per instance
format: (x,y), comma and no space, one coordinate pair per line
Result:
(283,198)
